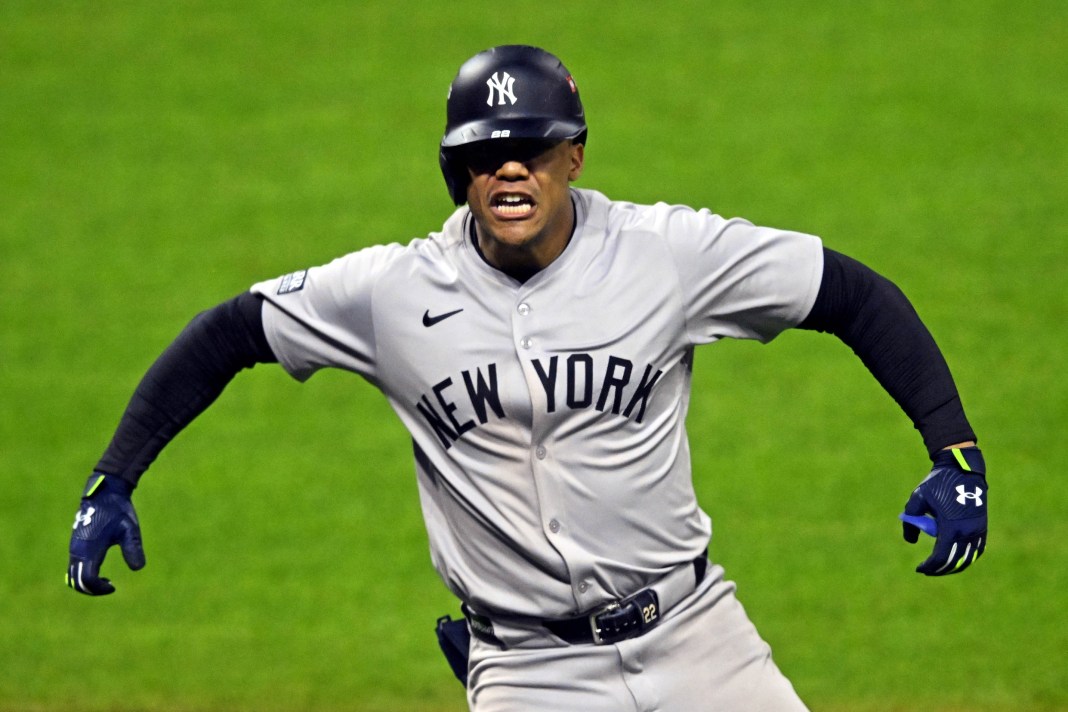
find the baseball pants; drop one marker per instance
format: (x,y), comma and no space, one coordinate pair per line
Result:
(704,656)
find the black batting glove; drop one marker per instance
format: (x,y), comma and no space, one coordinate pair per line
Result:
(950,505)
(106,518)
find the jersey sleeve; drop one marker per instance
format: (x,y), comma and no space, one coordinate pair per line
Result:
(739,280)
(324,316)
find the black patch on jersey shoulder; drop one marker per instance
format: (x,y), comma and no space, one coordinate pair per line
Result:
(293,282)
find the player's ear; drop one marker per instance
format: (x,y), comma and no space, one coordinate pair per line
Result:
(578,158)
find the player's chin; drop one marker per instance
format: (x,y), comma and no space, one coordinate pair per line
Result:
(514,229)
(514,234)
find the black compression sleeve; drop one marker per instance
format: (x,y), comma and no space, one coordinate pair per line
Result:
(875,319)
(187,377)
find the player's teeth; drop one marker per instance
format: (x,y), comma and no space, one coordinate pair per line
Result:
(513,205)
(514,208)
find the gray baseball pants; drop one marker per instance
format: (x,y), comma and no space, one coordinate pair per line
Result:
(704,656)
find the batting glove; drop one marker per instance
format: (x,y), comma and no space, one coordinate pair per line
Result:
(106,518)
(954,494)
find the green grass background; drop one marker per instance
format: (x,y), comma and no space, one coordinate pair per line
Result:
(157,158)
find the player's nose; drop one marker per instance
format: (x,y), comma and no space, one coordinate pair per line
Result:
(512,170)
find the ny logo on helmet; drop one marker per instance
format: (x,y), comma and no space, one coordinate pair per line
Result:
(963,495)
(502,86)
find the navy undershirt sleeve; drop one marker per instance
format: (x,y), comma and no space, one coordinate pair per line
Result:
(874,318)
(187,377)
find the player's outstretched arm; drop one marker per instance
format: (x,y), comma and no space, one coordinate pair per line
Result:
(187,377)
(874,318)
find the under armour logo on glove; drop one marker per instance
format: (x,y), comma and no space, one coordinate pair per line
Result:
(84,518)
(950,505)
(963,495)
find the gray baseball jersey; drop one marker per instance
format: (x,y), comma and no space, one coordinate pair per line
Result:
(548,417)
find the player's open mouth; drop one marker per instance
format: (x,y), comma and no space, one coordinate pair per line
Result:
(512,205)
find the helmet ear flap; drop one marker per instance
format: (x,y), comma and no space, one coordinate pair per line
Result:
(456,176)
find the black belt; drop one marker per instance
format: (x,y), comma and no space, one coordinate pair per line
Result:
(619,620)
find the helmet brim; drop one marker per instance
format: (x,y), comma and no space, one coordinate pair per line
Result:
(526,127)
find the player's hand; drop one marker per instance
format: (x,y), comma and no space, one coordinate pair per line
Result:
(954,494)
(106,518)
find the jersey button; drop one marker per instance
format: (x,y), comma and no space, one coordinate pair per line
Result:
(526,343)
(554,526)
(583,587)
(540,452)
(523,309)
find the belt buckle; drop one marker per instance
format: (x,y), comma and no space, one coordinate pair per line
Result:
(644,609)
(595,627)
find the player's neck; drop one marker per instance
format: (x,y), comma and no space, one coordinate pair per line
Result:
(521,260)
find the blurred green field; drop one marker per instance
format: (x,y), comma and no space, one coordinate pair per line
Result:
(157,158)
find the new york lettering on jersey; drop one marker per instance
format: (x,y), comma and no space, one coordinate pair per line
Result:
(574,382)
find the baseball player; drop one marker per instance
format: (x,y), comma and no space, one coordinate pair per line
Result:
(539,349)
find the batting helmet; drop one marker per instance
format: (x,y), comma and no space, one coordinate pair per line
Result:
(507,92)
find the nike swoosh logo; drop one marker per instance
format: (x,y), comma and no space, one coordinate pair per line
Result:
(431,320)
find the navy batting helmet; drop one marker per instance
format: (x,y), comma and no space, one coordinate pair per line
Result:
(507,92)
